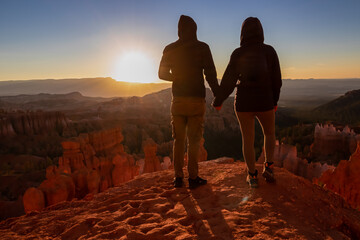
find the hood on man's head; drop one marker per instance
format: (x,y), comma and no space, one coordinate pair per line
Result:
(251,31)
(187,28)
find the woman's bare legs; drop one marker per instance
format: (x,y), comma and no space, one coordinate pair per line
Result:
(267,122)
(247,127)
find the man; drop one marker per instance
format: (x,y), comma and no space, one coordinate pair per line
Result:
(184,63)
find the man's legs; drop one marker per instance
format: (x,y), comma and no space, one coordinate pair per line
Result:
(179,134)
(194,133)
(188,117)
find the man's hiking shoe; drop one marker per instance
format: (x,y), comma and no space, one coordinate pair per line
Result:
(194,183)
(252,179)
(268,173)
(178,182)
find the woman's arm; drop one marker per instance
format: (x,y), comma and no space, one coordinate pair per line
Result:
(228,81)
(275,77)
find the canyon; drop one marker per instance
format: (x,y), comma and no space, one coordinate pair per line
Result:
(71,152)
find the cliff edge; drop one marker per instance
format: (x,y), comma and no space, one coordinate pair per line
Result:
(149,207)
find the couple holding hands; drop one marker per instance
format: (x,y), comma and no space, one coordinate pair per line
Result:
(253,69)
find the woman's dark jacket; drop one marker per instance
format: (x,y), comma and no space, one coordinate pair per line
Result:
(254,69)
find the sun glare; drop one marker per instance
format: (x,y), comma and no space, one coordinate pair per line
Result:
(135,66)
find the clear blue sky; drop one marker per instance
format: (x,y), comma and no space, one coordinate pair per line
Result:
(83,38)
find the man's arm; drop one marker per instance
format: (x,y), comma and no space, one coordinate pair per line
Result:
(165,67)
(210,71)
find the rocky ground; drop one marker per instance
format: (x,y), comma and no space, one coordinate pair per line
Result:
(149,207)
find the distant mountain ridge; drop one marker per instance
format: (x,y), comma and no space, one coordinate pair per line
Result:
(303,93)
(93,87)
(345,108)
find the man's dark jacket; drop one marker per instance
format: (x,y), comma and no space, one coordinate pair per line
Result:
(254,68)
(185,62)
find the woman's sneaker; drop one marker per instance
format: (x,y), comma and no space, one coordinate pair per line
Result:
(252,179)
(268,173)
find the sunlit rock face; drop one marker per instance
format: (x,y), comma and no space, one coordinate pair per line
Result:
(285,156)
(124,170)
(328,141)
(30,123)
(166,163)
(34,200)
(152,162)
(90,163)
(345,179)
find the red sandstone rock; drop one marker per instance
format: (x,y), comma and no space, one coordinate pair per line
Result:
(64,165)
(89,173)
(34,200)
(105,139)
(285,156)
(51,172)
(29,123)
(167,163)
(125,169)
(69,146)
(58,189)
(106,167)
(6,128)
(80,178)
(141,164)
(345,179)
(93,181)
(328,141)
(152,162)
(148,207)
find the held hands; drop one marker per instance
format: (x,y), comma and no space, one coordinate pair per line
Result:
(218,108)
(217,105)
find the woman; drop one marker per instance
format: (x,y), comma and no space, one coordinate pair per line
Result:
(254,69)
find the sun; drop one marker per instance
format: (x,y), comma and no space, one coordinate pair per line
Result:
(135,66)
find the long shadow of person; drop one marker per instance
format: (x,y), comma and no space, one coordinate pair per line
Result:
(204,213)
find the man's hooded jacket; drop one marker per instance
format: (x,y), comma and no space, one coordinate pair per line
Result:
(254,68)
(185,62)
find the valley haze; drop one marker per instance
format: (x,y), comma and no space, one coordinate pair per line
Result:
(294,93)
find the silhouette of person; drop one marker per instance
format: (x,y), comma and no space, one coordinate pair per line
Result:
(255,70)
(184,63)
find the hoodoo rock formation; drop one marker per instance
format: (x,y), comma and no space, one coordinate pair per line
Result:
(152,162)
(90,163)
(34,200)
(328,141)
(345,179)
(285,156)
(30,123)
(166,164)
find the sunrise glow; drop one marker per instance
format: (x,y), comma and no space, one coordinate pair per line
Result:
(135,66)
